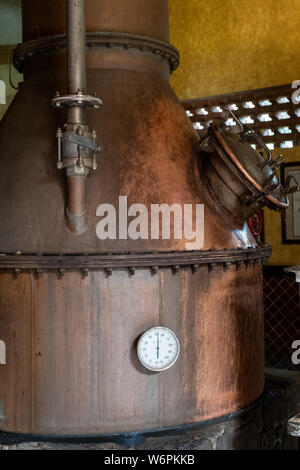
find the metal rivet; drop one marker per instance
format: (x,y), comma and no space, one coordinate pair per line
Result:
(108,271)
(175,269)
(195,268)
(239,264)
(211,266)
(227,265)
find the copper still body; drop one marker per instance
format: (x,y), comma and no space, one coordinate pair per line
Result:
(72,306)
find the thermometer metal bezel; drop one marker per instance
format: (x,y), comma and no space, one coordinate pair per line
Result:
(158,369)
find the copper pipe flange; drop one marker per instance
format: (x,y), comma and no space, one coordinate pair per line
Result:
(54,44)
(79,100)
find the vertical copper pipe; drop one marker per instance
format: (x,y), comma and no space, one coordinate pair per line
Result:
(76,73)
(76,55)
(76,209)
(76,195)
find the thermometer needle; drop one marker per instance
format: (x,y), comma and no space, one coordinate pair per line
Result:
(157,349)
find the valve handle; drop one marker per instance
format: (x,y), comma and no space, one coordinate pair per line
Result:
(84,142)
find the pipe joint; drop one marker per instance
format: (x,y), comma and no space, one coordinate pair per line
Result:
(77,146)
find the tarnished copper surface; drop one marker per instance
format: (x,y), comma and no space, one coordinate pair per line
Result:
(152,160)
(146,17)
(71,361)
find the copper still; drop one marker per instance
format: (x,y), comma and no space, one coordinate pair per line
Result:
(72,306)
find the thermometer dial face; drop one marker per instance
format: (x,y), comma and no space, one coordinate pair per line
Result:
(158,348)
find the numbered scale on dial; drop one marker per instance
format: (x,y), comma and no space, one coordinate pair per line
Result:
(158,348)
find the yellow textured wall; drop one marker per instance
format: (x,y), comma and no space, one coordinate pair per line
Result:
(5,52)
(234,45)
(10,34)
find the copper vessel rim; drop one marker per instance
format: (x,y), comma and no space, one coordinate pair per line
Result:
(52,44)
(127,260)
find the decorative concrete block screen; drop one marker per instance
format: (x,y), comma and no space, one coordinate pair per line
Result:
(274,113)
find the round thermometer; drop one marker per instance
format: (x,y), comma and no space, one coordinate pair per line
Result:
(158,348)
